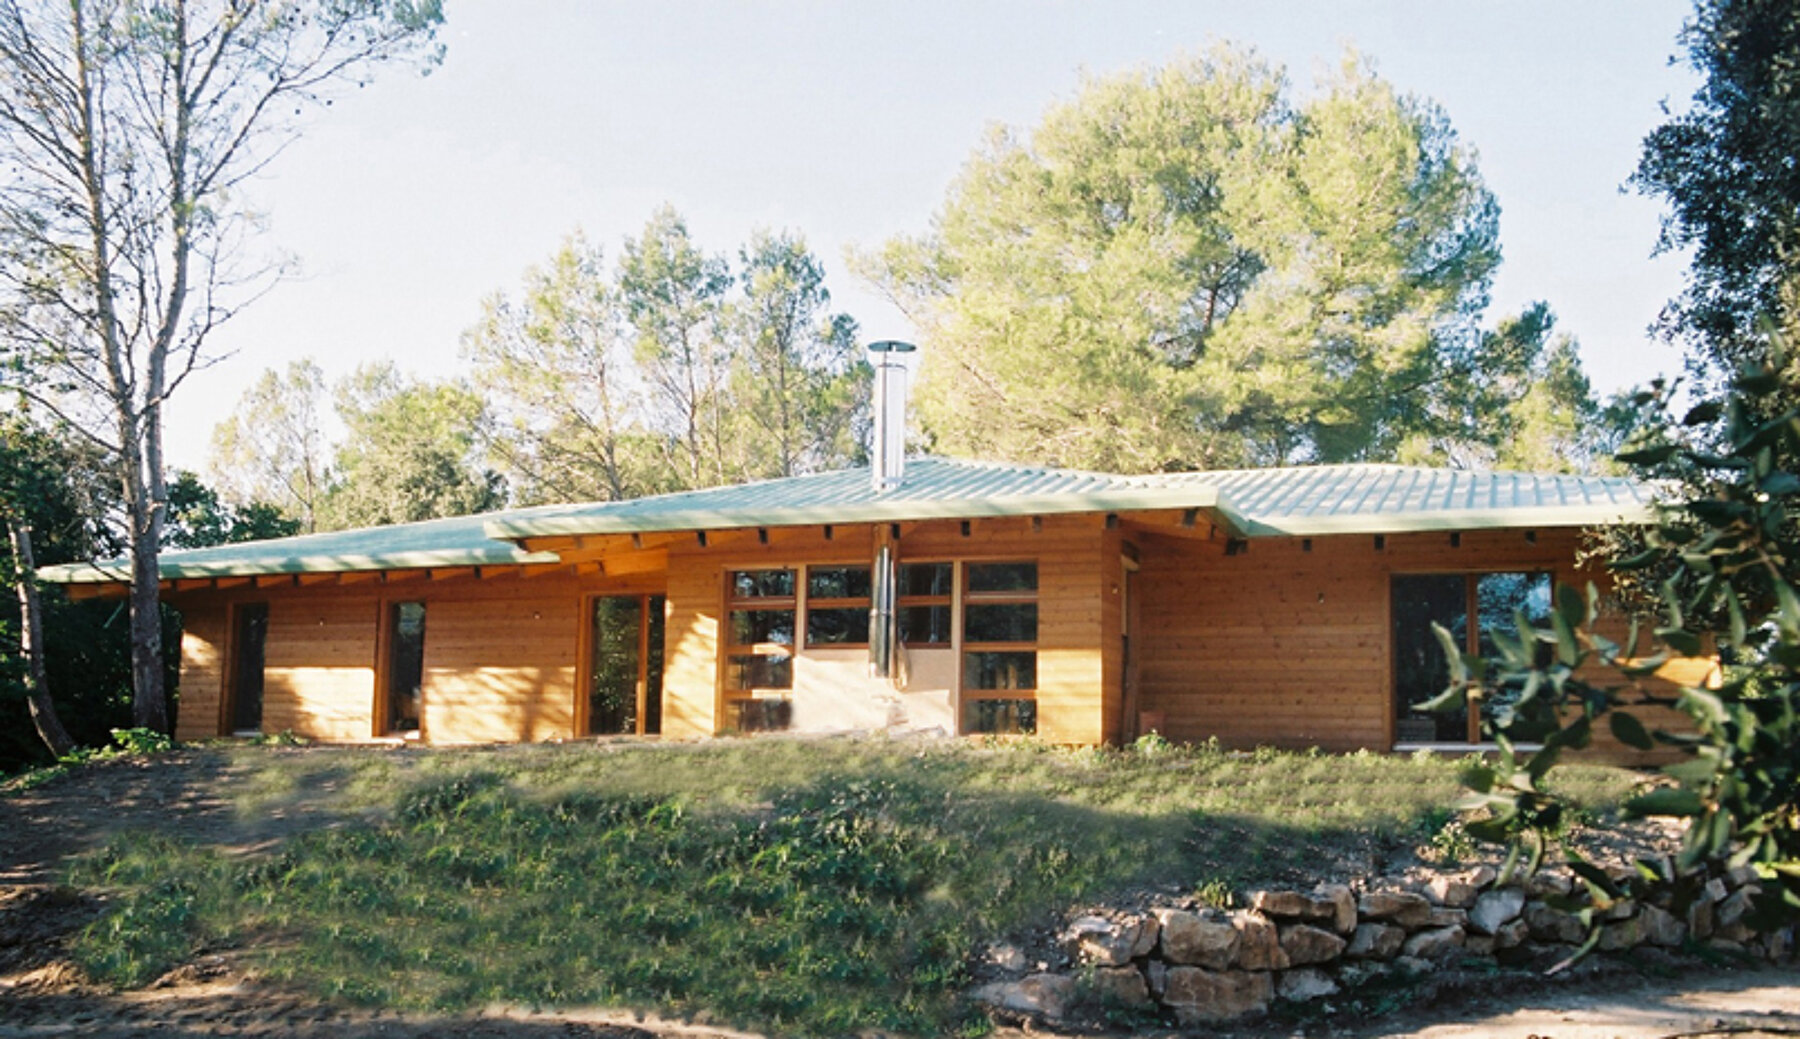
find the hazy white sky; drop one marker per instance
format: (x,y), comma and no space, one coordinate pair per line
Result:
(409,201)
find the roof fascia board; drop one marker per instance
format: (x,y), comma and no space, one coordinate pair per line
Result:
(1461,519)
(109,572)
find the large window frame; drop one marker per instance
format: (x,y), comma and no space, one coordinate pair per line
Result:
(819,598)
(1008,706)
(1409,724)
(648,653)
(936,596)
(757,674)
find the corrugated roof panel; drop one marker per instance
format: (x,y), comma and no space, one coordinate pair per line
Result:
(1301,500)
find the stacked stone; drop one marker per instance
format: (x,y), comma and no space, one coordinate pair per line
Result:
(1208,966)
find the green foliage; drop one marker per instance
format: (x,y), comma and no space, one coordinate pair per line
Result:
(411,452)
(197,518)
(272,449)
(1726,169)
(1729,550)
(1184,268)
(801,888)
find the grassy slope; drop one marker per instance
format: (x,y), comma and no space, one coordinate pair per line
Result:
(802,886)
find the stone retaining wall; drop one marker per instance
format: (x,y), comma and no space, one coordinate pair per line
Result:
(1204,966)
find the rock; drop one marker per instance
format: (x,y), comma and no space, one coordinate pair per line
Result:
(1443,916)
(1356,975)
(1546,883)
(1259,944)
(1479,944)
(1304,984)
(1778,945)
(1414,965)
(1553,925)
(1207,940)
(1623,909)
(1480,877)
(1716,889)
(1201,996)
(1660,927)
(1738,876)
(1511,934)
(1496,907)
(1620,935)
(1700,919)
(1735,934)
(1048,995)
(1376,942)
(1343,906)
(1454,892)
(1402,907)
(1733,909)
(1006,957)
(1156,972)
(1102,942)
(1291,904)
(1119,986)
(1435,945)
(1304,943)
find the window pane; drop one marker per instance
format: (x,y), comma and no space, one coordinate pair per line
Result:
(925,578)
(848,624)
(928,625)
(1008,717)
(838,582)
(1499,600)
(752,627)
(762,584)
(761,715)
(247,673)
(1000,622)
(612,688)
(1011,670)
(747,671)
(1002,577)
(406,665)
(653,670)
(1420,670)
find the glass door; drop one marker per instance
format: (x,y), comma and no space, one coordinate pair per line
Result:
(625,665)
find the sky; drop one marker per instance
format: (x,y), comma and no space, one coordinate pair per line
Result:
(408,201)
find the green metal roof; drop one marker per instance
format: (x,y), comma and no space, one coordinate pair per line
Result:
(1294,501)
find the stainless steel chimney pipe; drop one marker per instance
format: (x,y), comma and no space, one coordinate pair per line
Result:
(887,470)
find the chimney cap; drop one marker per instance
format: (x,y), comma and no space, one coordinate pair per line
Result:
(884,346)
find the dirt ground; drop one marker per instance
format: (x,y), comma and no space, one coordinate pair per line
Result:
(42,994)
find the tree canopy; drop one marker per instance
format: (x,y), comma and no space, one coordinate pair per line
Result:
(1185,268)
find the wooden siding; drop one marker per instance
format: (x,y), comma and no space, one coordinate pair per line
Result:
(319,667)
(501,669)
(1283,646)
(203,638)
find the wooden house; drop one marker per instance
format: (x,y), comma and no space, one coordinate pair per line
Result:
(1289,607)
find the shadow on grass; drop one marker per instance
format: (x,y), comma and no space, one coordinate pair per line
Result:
(840,891)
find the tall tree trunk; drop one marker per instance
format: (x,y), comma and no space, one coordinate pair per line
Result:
(31,643)
(149,706)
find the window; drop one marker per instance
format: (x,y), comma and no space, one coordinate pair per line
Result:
(1421,670)
(837,606)
(250,638)
(1000,622)
(924,604)
(760,610)
(405,666)
(625,668)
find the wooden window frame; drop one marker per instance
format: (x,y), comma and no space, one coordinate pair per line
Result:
(584,687)
(731,648)
(1471,635)
(384,641)
(967,598)
(948,601)
(805,604)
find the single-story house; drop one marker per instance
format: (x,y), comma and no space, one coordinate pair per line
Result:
(1288,607)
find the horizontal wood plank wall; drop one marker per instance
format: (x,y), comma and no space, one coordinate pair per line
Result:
(203,637)
(501,669)
(500,654)
(691,648)
(1286,647)
(319,668)
(1112,660)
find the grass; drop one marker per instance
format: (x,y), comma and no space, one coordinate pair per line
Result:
(803,887)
